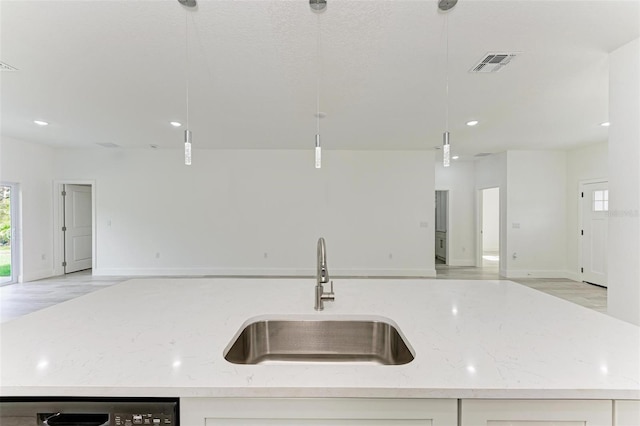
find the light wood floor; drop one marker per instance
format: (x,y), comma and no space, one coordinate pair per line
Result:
(20,299)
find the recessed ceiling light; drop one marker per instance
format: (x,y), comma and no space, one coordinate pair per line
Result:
(455,157)
(605,124)
(176,124)
(472,123)
(41,123)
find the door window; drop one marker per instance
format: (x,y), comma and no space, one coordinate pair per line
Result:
(600,201)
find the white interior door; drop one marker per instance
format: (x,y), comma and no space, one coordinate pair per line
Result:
(77,228)
(442,225)
(595,210)
(490,227)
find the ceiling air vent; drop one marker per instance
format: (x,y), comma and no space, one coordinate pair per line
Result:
(7,67)
(493,62)
(483,154)
(108,145)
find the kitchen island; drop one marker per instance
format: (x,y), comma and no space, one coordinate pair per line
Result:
(472,340)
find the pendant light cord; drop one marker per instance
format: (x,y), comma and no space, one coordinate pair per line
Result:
(186,38)
(318,76)
(446,25)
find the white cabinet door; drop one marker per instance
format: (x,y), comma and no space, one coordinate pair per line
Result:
(317,412)
(536,413)
(627,413)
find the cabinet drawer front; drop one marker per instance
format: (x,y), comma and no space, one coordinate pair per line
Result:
(536,413)
(627,413)
(318,412)
(317,422)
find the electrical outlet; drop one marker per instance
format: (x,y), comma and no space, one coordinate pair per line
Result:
(390,255)
(43,257)
(266,254)
(158,255)
(424,224)
(515,225)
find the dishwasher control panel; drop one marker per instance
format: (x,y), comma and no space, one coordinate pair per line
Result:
(88,411)
(152,419)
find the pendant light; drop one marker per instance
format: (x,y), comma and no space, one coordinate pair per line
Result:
(187,133)
(318,6)
(446,5)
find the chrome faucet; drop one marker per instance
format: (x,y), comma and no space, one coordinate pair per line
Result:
(322,277)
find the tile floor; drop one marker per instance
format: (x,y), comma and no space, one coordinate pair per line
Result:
(20,299)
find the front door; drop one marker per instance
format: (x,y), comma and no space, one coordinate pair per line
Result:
(595,210)
(77,228)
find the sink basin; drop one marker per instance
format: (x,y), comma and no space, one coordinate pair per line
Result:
(312,340)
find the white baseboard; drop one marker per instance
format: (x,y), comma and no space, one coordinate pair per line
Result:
(37,275)
(574,276)
(417,272)
(196,272)
(535,274)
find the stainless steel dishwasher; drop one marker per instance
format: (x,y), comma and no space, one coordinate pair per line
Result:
(85,411)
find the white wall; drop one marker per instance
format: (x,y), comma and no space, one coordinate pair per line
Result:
(459,181)
(491,220)
(624,183)
(536,214)
(259,212)
(31,166)
(583,164)
(491,172)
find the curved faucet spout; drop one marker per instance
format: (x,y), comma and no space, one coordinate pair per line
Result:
(323,272)
(322,277)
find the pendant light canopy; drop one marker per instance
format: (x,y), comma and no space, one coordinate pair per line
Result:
(319,5)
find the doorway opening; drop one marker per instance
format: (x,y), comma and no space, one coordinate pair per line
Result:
(442,227)
(490,228)
(9,271)
(76,228)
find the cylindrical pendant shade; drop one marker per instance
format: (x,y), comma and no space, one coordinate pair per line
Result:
(187,147)
(446,150)
(318,153)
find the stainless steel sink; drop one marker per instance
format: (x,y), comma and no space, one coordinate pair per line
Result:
(268,340)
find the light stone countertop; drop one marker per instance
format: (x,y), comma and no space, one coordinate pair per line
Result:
(472,339)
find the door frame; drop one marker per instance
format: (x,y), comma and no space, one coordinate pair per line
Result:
(16,233)
(448,191)
(480,221)
(581,184)
(58,222)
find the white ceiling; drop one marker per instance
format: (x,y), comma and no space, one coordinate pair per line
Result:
(115,72)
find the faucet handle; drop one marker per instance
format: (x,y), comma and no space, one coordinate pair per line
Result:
(331,296)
